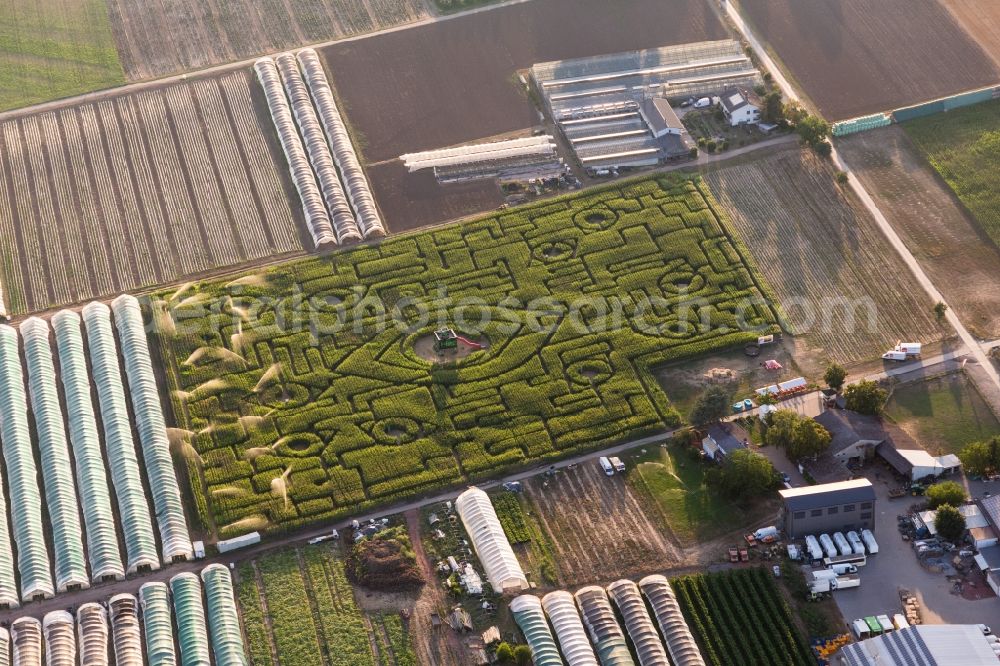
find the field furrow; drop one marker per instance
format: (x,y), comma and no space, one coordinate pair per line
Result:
(36,282)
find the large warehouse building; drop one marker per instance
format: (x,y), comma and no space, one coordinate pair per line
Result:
(924,645)
(829,507)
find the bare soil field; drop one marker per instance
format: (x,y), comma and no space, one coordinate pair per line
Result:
(169,36)
(854,57)
(592,520)
(449,82)
(941,234)
(414,200)
(845,292)
(981,20)
(140,189)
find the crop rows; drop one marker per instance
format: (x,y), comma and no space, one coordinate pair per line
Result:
(297,420)
(739,616)
(139,189)
(511,517)
(179,35)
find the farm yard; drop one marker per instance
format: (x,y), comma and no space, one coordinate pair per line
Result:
(181,35)
(141,189)
(456,81)
(849,63)
(303,421)
(52,48)
(936,228)
(825,258)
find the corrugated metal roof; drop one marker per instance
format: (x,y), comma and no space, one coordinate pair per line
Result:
(924,645)
(827,494)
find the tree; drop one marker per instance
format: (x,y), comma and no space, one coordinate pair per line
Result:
(522,655)
(813,130)
(773,111)
(835,376)
(865,397)
(940,308)
(711,406)
(781,428)
(505,653)
(981,458)
(809,439)
(946,492)
(949,522)
(746,475)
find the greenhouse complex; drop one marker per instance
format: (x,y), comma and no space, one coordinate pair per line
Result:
(530,618)
(491,544)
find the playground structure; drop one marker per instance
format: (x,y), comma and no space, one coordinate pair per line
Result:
(446,339)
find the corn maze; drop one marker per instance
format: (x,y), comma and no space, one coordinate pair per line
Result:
(289,417)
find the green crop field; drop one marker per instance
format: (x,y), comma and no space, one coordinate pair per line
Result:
(297,404)
(964,147)
(53,48)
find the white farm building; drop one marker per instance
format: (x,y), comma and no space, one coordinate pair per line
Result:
(491,544)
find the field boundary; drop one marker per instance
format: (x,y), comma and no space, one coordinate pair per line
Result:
(902,114)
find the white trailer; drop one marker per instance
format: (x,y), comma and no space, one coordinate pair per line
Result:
(870,542)
(828,547)
(846,581)
(815,552)
(859,548)
(238,542)
(842,545)
(909,348)
(841,569)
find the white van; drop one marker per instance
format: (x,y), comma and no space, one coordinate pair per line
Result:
(607,466)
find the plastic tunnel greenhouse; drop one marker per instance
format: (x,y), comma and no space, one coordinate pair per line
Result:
(4,647)
(152,430)
(137,525)
(60,639)
(22,475)
(530,617)
(92,634)
(632,607)
(190,615)
(125,630)
(57,469)
(95,500)
(491,544)
(602,625)
(26,635)
(680,643)
(223,619)
(565,618)
(157,623)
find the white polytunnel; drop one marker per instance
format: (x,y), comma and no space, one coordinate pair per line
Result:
(125,631)
(176,540)
(92,634)
(223,618)
(632,608)
(491,544)
(353,176)
(318,149)
(4,647)
(680,643)
(95,499)
(565,618)
(57,469)
(189,612)
(530,617)
(133,511)
(26,635)
(60,639)
(157,623)
(317,218)
(602,625)
(22,474)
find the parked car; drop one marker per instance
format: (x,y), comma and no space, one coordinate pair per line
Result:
(985,629)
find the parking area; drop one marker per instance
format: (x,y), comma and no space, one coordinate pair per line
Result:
(896,566)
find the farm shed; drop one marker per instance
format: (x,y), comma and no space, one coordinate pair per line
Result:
(491,544)
(661,117)
(22,474)
(565,619)
(26,635)
(92,634)
(602,624)
(223,619)
(530,617)
(133,511)
(828,507)
(962,644)
(152,430)
(189,612)
(60,642)
(523,157)
(126,635)
(680,642)
(157,623)
(95,500)
(917,464)
(974,520)
(648,646)
(57,470)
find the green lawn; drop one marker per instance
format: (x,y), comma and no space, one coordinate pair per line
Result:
(944,414)
(51,49)
(964,148)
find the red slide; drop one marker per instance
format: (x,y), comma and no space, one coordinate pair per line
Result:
(468,342)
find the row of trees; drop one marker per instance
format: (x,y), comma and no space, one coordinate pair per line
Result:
(981,458)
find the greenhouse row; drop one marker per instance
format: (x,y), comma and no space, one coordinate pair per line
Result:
(560,606)
(189,611)
(125,631)
(680,642)
(60,643)
(632,608)
(530,617)
(26,640)
(491,544)
(92,634)
(602,625)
